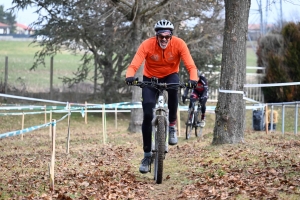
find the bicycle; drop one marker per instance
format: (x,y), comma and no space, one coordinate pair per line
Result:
(160,125)
(193,116)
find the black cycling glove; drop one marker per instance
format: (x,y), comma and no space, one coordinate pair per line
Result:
(191,84)
(129,80)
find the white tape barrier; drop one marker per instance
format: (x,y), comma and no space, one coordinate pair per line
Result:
(26,130)
(231,91)
(257,85)
(272,84)
(239,92)
(31,99)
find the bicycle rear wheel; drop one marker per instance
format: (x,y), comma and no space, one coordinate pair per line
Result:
(160,147)
(189,125)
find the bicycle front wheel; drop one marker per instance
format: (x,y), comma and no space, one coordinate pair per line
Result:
(198,129)
(160,147)
(189,125)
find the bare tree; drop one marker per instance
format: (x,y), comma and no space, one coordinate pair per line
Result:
(90,28)
(108,32)
(230,109)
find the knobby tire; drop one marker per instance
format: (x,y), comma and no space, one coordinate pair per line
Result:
(160,154)
(189,127)
(198,129)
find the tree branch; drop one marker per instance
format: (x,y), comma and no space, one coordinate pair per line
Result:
(125,10)
(156,8)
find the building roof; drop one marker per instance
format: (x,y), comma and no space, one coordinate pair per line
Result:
(23,26)
(2,25)
(257,26)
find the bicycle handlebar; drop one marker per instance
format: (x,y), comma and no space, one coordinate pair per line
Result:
(159,85)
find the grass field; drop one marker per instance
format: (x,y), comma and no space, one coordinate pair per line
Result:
(265,166)
(20,59)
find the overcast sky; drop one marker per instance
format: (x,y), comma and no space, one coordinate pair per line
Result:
(289,11)
(271,12)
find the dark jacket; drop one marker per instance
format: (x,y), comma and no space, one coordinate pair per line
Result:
(201,89)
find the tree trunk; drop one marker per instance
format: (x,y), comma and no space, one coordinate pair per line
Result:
(230,109)
(135,125)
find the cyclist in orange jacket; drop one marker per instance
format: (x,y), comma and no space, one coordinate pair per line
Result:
(162,55)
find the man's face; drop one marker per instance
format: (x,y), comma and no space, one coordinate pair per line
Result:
(163,39)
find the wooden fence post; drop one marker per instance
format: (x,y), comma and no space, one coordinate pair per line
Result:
(50,127)
(266,119)
(68,137)
(103,124)
(282,118)
(116,117)
(6,75)
(45,114)
(51,77)
(296,119)
(85,116)
(52,155)
(23,117)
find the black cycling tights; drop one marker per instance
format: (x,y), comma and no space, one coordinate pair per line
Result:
(203,103)
(149,96)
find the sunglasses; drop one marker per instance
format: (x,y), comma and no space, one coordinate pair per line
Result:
(162,37)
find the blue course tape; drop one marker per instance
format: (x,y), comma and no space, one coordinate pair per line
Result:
(122,105)
(19,132)
(31,99)
(26,130)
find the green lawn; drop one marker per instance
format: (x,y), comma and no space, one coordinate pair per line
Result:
(251,57)
(20,56)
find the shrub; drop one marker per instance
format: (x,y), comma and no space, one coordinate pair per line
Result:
(279,53)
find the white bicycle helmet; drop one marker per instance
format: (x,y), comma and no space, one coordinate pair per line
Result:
(164,24)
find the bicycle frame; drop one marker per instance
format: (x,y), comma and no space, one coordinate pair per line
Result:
(195,110)
(160,126)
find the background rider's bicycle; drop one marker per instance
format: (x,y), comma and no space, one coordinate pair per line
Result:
(194,114)
(160,125)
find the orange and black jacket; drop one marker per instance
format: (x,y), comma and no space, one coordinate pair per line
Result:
(162,62)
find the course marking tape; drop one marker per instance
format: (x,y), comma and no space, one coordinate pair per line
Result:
(272,84)
(231,91)
(31,99)
(26,130)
